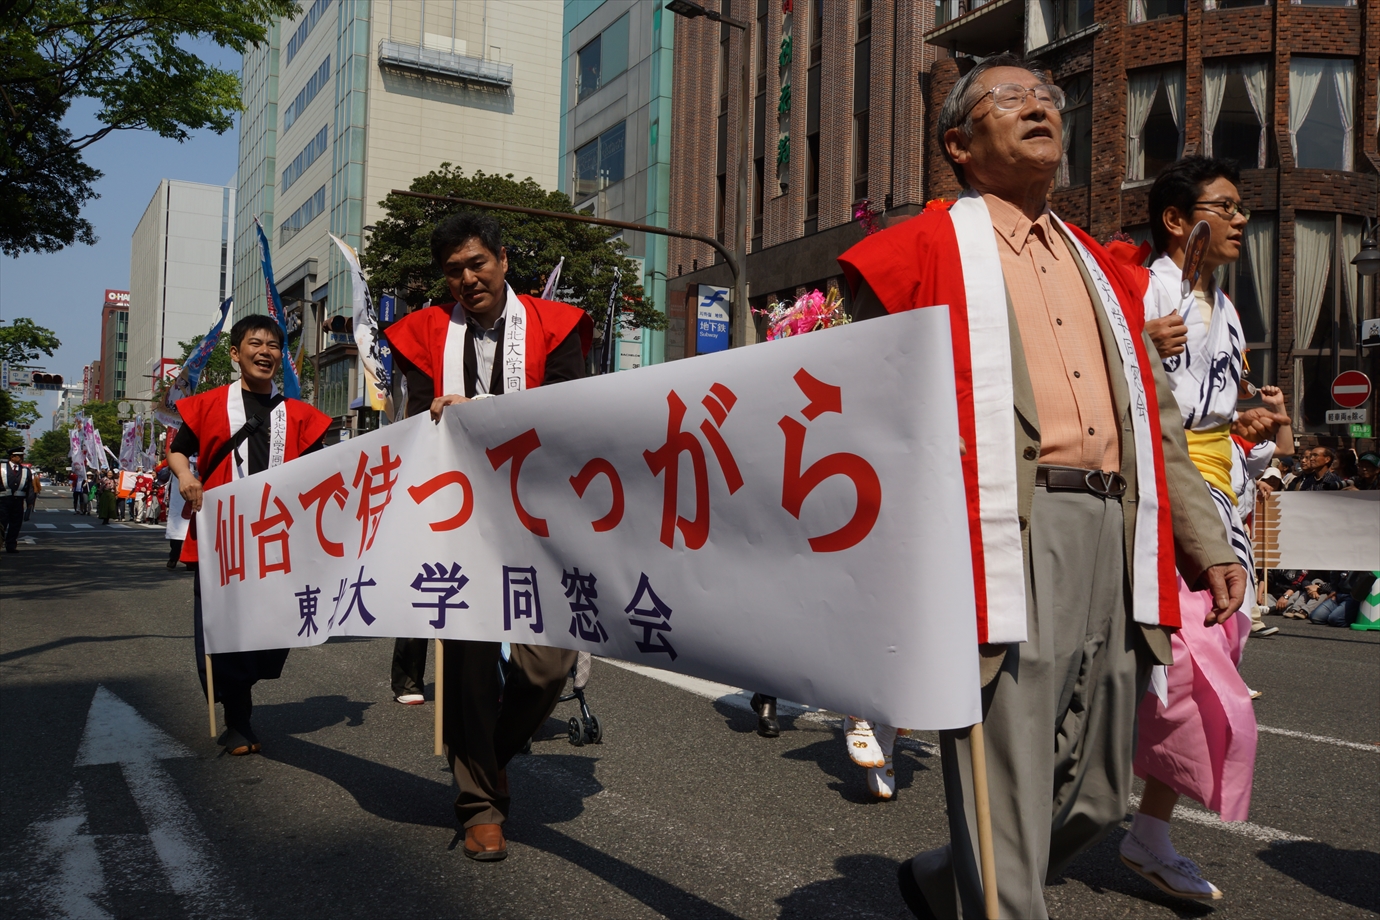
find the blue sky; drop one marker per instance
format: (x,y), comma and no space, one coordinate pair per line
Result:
(64,290)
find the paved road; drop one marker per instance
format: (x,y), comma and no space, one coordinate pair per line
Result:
(114,802)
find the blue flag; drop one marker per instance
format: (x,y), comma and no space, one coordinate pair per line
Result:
(291,388)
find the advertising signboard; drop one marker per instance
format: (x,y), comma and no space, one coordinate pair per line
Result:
(116,298)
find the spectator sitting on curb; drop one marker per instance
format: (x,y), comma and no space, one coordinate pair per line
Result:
(1340,607)
(1316,475)
(1299,604)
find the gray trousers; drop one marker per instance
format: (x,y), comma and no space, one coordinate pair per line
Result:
(1060,719)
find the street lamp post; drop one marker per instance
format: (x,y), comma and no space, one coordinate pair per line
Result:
(743,331)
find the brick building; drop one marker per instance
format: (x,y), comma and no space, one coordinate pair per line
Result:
(837,115)
(1289,90)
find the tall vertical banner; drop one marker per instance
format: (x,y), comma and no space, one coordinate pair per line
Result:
(774,517)
(377,385)
(292,389)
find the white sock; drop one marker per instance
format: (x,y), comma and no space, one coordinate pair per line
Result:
(885,735)
(1154,834)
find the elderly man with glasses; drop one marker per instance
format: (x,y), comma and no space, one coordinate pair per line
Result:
(1080,491)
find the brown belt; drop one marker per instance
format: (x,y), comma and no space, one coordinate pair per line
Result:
(1072,479)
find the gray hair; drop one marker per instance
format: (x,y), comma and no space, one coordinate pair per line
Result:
(957,110)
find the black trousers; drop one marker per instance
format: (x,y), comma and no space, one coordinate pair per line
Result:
(12,518)
(235,673)
(409,666)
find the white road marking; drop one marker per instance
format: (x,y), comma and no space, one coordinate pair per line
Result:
(116,733)
(1240,828)
(742,699)
(1321,739)
(46,526)
(112,526)
(82,526)
(79,876)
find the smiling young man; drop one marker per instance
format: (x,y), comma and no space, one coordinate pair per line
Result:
(236,430)
(490,341)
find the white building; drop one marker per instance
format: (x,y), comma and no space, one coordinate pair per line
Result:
(180,265)
(350,100)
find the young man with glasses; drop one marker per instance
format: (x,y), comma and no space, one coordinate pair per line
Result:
(1197,730)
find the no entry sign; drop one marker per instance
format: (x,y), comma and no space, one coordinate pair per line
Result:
(1351,389)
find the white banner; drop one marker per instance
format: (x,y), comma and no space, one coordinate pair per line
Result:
(788,518)
(1333,531)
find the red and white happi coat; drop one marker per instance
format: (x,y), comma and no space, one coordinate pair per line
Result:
(215,416)
(433,339)
(948,255)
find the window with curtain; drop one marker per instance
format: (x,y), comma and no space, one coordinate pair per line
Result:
(1154,121)
(1071,16)
(1236,111)
(1323,2)
(1250,283)
(1322,106)
(1146,10)
(1324,312)
(812,93)
(1076,167)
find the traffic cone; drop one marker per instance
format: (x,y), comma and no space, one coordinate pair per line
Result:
(1369,617)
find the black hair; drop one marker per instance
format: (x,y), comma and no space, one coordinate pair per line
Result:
(1331,454)
(957,108)
(254,322)
(455,230)
(1179,187)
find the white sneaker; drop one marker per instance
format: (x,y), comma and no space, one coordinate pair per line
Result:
(881,781)
(411,699)
(862,745)
(1179,877)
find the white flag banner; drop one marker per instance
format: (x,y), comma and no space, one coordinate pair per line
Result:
(782,518)
(1331,531)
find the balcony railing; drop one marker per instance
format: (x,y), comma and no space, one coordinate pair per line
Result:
(444,64)
(949,10)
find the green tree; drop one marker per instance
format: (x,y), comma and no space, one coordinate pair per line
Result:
(128,56)
(50,451)
(398,256)
(23,340)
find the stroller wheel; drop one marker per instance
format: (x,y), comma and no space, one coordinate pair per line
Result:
(594,732)
(576,733)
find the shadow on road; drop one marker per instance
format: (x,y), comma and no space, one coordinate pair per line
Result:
(662,896)
(1350,876)
(851,780)
(866,882)
(78,640)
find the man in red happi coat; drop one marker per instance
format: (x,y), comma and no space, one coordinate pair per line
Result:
(490,341)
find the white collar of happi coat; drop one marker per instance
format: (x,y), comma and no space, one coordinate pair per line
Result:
(994,415)
(1206,376)
(514,355)
(277,436)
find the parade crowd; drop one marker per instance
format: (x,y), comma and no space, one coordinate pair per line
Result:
(1111,512)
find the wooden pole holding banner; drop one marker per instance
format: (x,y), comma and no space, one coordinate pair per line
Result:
(440,694)
(210,697)
(986,856)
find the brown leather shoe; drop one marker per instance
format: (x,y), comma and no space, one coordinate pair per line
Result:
(485,842)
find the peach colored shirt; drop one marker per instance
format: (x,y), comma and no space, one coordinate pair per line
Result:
(1063,348)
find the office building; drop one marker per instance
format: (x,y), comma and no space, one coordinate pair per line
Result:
(615,138)
(349,100)
(180,262)
(836,117)
(1287,89)
(108,375)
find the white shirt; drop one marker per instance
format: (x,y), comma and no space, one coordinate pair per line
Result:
(485,342)
(1206,377)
